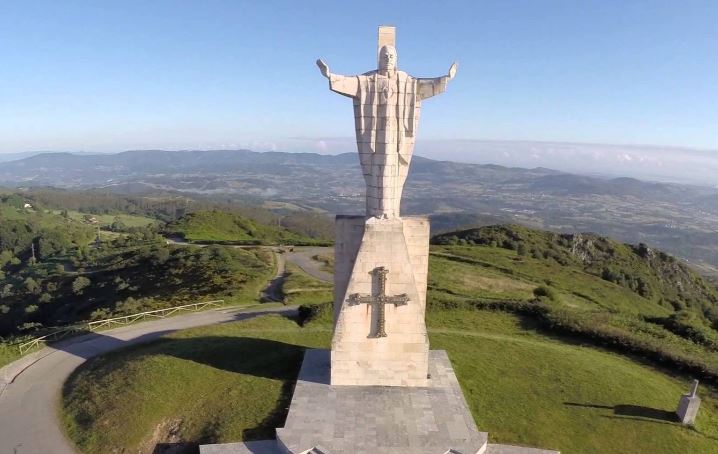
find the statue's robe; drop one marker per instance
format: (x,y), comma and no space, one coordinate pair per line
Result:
(386,116)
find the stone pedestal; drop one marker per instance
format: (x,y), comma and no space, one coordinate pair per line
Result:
(688,408)
(327,419)
(377,420)
(361,355)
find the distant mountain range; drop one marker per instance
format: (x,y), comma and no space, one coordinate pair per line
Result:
(681,219)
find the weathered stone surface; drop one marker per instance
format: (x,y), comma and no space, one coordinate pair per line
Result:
(380,389)
(377,419)
(249,447)
(359,357)
(688,408)
(508,449)
(689,405)
(387,107)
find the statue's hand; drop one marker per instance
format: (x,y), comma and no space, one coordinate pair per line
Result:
(452,70)
(323,68)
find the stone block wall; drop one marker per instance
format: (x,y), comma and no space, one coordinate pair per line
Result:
(358,357)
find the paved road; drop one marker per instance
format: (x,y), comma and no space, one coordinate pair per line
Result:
(273,291)
(302,257)
(28,406)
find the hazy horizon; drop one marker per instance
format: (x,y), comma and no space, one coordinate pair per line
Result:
(645,162)
(554,80)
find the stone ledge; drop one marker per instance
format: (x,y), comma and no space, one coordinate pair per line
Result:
(508,449)
(326,419)
(379,419)
(248,447)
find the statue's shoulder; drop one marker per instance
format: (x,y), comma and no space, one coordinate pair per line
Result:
(370,73)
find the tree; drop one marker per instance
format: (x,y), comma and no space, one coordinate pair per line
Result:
(79,284)
(32,286)
(117,225)
(6,291)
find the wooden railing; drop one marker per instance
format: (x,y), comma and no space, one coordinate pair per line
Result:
(110,322)
(55,335)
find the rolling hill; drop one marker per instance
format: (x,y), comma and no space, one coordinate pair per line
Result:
(680,219)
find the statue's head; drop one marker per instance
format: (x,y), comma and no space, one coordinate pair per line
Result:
(387,58)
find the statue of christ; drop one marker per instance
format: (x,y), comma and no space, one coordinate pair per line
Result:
(387,104)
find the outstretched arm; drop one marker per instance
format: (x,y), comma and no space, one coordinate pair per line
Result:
(344,85)
(434,86)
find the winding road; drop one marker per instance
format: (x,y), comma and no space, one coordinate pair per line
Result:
(29,421)
(30,387)
(302,257)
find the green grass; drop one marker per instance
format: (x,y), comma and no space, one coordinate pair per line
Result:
(8,353)
(529,389)
(234,381)
(106,219)
(585,305)
(525,273)
(327,261)
(229,227)
(523,387)
(301,288)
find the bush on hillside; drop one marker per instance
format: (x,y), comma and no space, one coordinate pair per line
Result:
(545,292)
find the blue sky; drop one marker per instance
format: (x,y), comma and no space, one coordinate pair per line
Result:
(110,76)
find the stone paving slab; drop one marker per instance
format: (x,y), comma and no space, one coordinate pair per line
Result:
(507,449)
(249,447)
(379,419)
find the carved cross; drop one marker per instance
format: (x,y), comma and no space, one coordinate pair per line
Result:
(380,300)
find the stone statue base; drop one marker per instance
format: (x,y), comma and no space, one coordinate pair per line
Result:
(327,419)
(380,335)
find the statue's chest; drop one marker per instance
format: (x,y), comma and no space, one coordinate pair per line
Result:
(387,91)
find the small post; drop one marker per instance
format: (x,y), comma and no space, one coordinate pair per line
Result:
(688,405)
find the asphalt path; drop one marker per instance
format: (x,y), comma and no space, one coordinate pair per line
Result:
(302,257)
(29,422)
(273,291)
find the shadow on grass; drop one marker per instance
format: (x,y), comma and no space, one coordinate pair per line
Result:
(243,355)
(249,356)
(625,411)
(176,448)
(88,344)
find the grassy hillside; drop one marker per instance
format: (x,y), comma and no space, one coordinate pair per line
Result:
(300,288)
(106,221)
(652,274)
(522,386)
(632,299)
(503,318)
(127,275)
(230,227)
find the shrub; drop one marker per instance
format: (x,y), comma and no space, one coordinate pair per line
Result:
(310,312)
(545,292)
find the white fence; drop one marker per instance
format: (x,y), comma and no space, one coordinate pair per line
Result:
(110,322)
(55,335)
